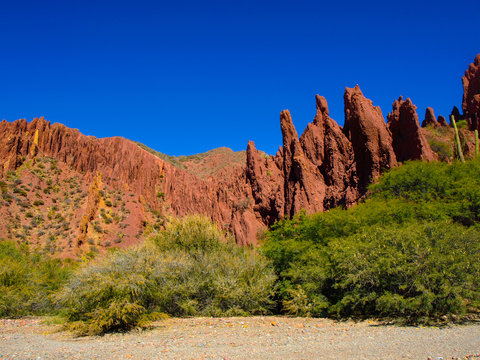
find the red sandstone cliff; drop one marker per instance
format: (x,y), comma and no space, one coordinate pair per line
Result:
(409,142)
(430,119)
(471,94)
(371,140)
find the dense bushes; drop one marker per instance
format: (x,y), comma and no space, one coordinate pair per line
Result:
(436,189)
(408,252)
(415,272)
(27,280)
(189,269)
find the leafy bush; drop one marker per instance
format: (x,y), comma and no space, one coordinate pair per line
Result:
(349,262)
(27,280)
(462,124)
(416,272)
(192,234)
(189,269)
(449,190)
(104,295)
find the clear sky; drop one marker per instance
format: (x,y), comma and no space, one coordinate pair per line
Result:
(187,76)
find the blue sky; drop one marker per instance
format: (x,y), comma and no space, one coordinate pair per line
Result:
(184,77)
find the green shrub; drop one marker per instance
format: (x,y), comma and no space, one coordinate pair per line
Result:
(191,234)
(449,190)
(189,269)
(325,262)
(417,272)
(27,280)
(462,124)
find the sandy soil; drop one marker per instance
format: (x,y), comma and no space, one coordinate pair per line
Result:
(243,338)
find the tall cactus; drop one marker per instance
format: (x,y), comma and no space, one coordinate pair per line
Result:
(477,146)
(457,140)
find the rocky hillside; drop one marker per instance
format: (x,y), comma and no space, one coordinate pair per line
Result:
(73,194)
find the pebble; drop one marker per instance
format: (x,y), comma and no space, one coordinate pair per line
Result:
(244,338)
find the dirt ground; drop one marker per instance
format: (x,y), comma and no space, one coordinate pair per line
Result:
(243,338)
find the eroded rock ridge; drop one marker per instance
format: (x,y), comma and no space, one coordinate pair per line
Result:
(326,166)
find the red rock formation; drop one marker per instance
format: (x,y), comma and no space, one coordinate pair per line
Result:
(409,142)
(456,113)
(266,179)
(430,119)
(303,184)
(314,172)
(471,94)
(124,165)
(370,137)
(326,167)
(327,147)
(442,121)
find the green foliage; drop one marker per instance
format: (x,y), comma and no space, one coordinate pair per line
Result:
(435,190)
(407,252)
(189,269)
(117,316)
(191,234)
(105,295)
(462,124)
(416,272)
(27,280)
(297,303)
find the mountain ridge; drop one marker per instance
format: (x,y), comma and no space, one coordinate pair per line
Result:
(243,192)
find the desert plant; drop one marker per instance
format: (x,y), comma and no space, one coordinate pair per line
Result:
(458,144)
(419,272)
(189,269)
(344,262)
(27,280)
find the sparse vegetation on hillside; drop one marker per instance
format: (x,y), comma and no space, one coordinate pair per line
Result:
(199,164)
(173,160)
(43,203)
(443,141)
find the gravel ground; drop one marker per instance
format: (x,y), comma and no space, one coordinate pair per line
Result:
(243,338)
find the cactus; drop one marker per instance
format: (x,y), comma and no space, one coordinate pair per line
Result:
(457,140)
(477,146)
